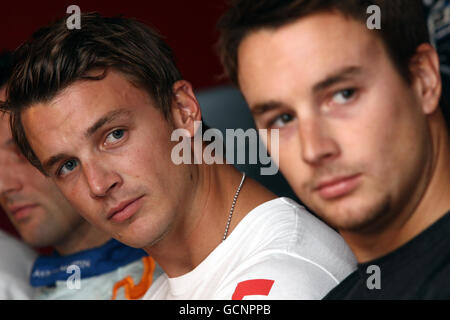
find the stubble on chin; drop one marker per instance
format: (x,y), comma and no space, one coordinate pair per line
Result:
(364,218)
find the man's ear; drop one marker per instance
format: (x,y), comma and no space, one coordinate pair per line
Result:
(425,71)
(185,107)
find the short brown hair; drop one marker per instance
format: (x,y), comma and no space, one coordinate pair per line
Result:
(403,26)
(56,57)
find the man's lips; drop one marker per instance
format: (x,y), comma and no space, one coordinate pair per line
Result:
(20,212)
(335,187)
(125,209)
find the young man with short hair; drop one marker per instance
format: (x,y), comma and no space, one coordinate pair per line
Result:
(95,109)
(363,141)
(44,218)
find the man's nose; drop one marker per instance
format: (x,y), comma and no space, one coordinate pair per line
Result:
(100,179)
(317,145)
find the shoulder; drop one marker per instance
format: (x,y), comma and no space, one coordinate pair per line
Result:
(285,219)
(437,285)
(275,275)
(158,290)
(17,258)
(285,227)
(9,245)
(289,248)
(343,289)
(278,219)
(15,267)
(14,288)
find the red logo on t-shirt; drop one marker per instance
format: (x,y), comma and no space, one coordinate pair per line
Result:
(259,287)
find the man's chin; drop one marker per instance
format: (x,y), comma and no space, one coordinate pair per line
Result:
(357,219)
(37,242)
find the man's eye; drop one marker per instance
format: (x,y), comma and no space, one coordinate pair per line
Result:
(343,96)
(67,167)
(114,136)
(281,120)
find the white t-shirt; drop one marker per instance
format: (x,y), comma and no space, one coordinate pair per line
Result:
(16,260)
(278,251)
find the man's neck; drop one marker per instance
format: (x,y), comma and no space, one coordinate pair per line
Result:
(410,222)
(84,237)
(201,226)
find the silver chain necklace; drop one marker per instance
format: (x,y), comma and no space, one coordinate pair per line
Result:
(232,207)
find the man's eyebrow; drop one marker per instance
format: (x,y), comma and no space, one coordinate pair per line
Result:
(336,77)
(260,108)
(107,118)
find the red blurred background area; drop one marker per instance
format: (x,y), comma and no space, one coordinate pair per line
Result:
(188,27)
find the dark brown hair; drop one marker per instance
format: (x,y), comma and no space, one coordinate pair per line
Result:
(403,26)
(56,57)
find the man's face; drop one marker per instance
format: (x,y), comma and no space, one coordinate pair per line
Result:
(108,149)
(32,202)
(353,136)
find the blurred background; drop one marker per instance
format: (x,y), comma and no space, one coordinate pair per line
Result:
(188,27)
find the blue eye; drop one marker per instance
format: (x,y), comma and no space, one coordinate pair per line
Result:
(281,120)
(67,167)
(114,136)
(343,96)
